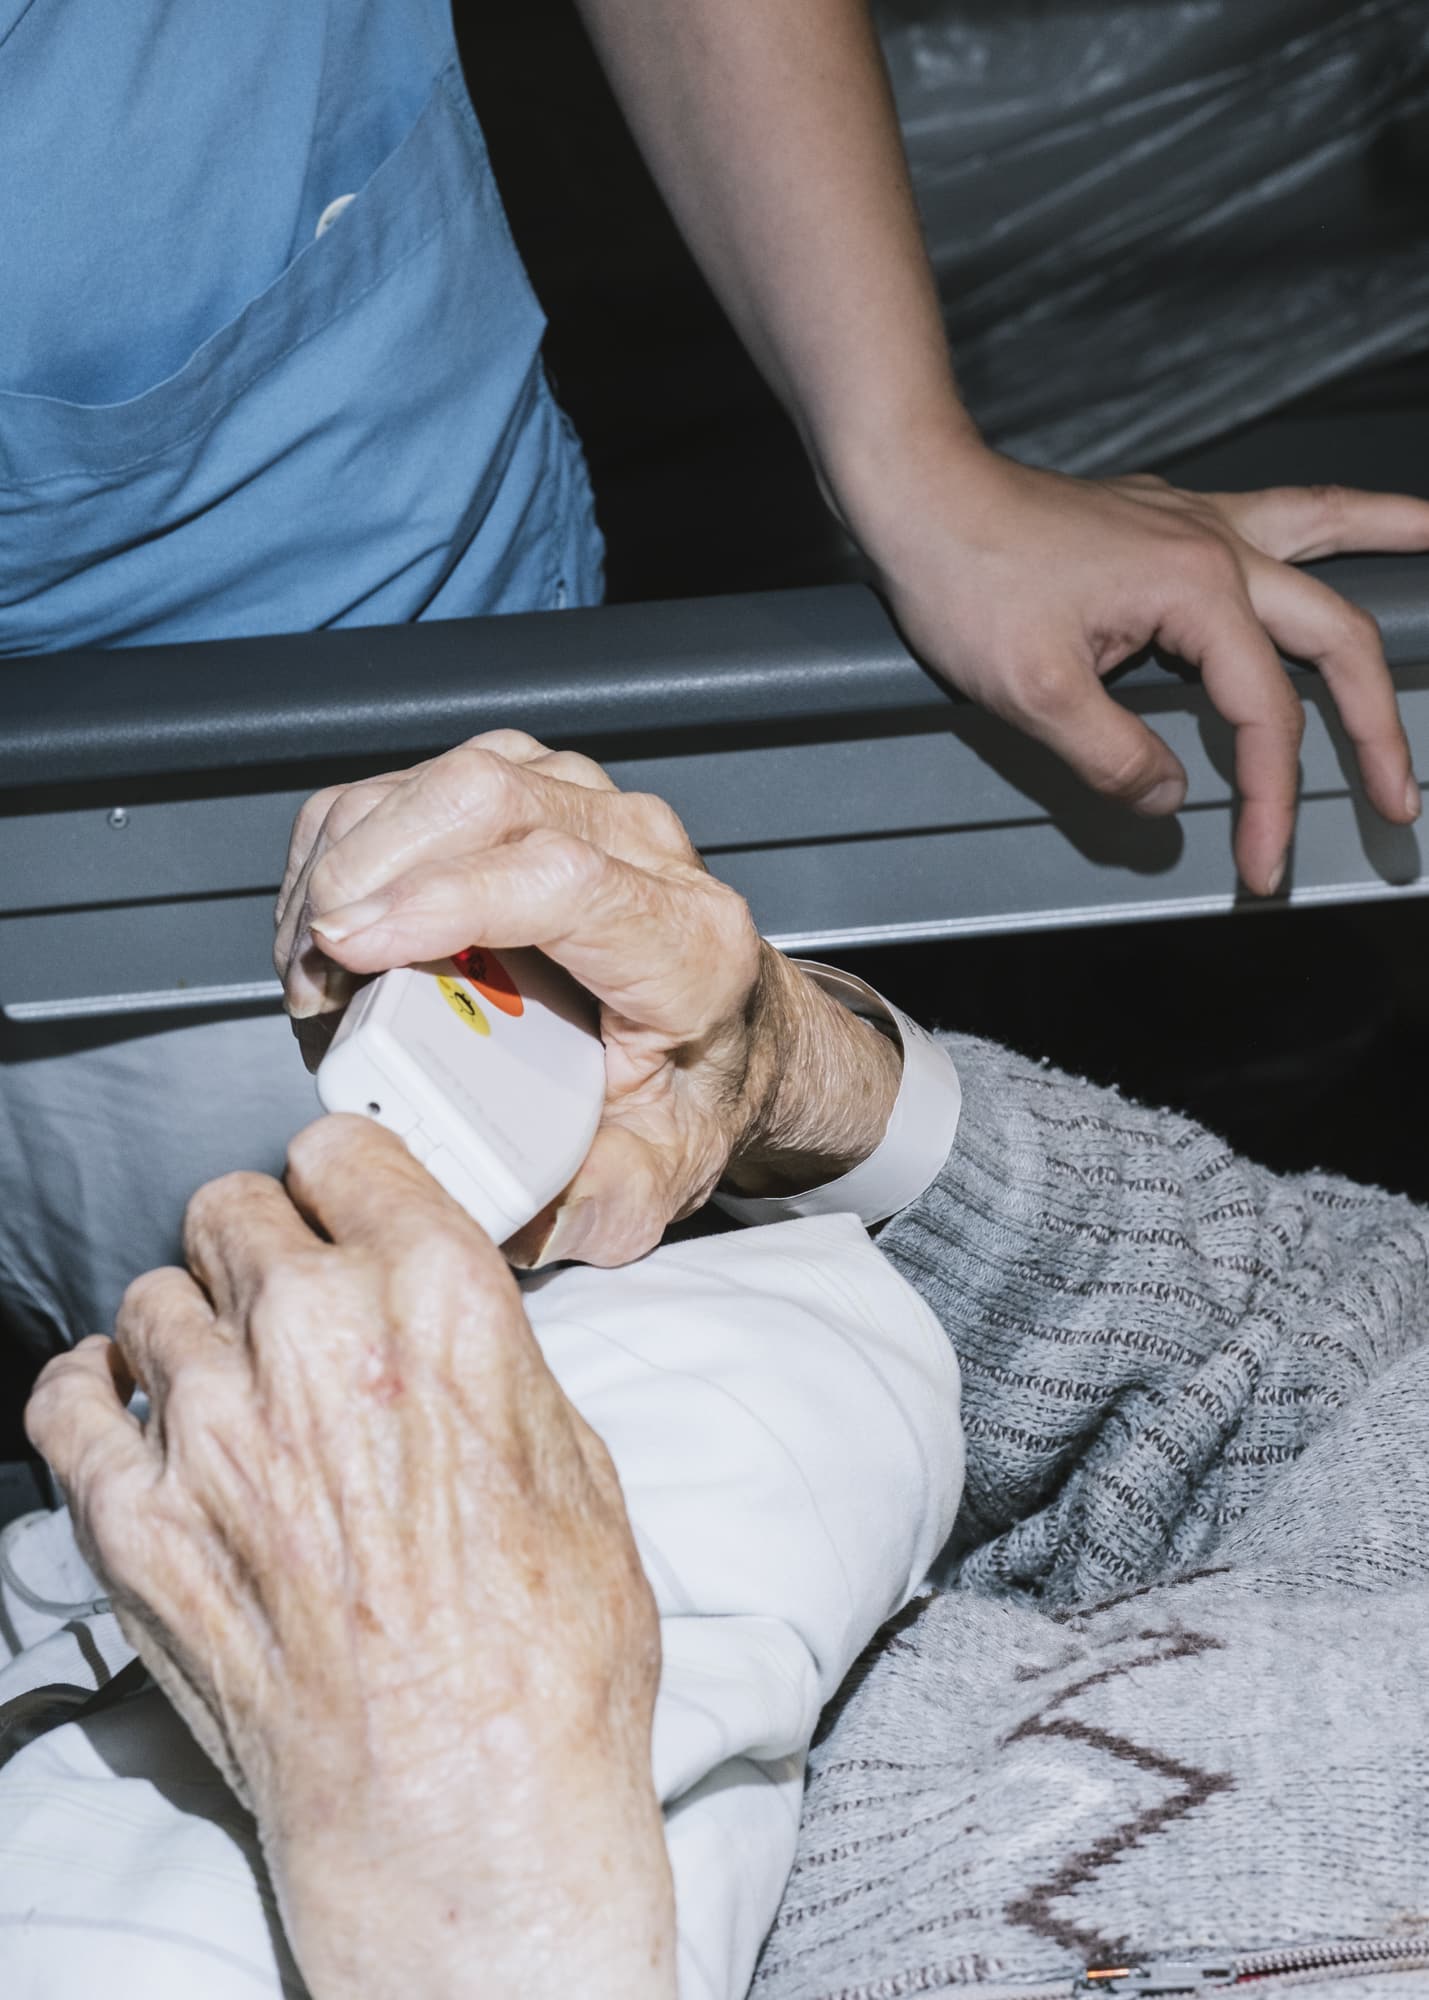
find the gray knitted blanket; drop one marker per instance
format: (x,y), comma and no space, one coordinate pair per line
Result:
(1172,1702)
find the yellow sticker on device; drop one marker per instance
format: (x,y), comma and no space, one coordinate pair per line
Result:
(457,995)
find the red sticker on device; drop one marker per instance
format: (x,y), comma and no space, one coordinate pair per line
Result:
(490,978)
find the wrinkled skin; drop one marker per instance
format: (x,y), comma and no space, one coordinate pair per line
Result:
(384,1571)
(721,1058)
(378,1562)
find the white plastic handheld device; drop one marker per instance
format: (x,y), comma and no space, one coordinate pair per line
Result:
(490,1067)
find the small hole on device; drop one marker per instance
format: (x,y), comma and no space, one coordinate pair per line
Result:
(374,1110)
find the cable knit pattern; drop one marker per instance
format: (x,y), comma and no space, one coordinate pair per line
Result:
(1172,1698)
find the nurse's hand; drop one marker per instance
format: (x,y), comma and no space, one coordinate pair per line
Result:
(384,1571)
(1023,588)
(721,1058)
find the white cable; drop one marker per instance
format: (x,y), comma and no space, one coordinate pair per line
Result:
(93,1607)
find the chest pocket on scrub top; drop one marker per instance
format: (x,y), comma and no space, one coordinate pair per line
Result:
(366,426)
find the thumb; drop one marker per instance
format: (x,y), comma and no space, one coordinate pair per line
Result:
(1108,747)
(614,1211)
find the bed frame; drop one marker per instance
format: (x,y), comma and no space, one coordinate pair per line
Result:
(146,795)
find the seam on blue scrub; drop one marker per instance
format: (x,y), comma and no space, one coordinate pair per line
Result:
(444,47)
(173,444)
(16,22)
(449,83)
(453,81)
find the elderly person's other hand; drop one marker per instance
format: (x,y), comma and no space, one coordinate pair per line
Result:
(384,1571)
(721,1058)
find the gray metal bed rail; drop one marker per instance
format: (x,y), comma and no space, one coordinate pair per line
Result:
(146,794)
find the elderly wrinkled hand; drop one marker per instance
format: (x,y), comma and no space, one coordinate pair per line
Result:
(384,1570)
(721,1058)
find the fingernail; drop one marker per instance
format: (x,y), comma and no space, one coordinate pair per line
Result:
(1277,876)
(339,925)
(574,1227)
(315,1033)
(316,987)
(1168,795)
(1413,802)
(306,981)
(523,1249)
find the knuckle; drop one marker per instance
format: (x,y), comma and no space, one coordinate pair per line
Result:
(325,875)
(1211,564)
(351,806)
(440,1257)
(315,809)
(325,886)
(306,1149)
(507,743)
(328,885)
(575,768)
(312,816)
(310,1150)
(569,859)
(332,1141)
(1329,502)
(219,1199)
(735,927)
(1041,690)
(472,777)
(1361,631)
(43,1406)
(213,1206)
(659,824)
(477,792)
(1129,774)
(141,1296)
(591,769)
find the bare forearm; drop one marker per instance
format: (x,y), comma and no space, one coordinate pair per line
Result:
(772,133)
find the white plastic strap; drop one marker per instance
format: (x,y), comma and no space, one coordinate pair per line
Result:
(921,1126)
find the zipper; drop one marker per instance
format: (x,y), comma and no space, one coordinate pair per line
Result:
(1295,1963)
(1309,1962)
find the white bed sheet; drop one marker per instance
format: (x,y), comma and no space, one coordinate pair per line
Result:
(783,1412)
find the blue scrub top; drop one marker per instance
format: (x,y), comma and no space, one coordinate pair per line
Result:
(217,417)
